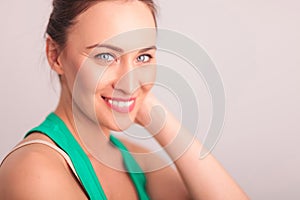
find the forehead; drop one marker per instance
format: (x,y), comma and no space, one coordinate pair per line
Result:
(107,19)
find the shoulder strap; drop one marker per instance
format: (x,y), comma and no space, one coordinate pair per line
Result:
(55,129)
(136,173)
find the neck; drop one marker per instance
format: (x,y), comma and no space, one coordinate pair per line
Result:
(86,131)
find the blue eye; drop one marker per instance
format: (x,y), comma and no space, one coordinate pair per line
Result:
(106,57)
(144,58)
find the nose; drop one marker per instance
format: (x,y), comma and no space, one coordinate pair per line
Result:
(128,78)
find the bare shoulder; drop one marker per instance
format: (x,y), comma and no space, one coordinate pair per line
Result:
(37,172)
(163,180)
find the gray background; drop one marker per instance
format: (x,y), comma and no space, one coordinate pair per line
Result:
(255,45)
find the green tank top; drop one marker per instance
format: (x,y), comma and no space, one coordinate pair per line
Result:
(55,129)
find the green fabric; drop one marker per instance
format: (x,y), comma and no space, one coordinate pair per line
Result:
(56,129)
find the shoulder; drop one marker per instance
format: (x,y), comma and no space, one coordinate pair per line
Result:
(35,172)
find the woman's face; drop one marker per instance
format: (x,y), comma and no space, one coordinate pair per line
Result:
(108,72)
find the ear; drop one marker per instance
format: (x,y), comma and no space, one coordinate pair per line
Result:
(52,53)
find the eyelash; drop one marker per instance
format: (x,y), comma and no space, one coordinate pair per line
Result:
(148,55)
(98,57)
(113,57)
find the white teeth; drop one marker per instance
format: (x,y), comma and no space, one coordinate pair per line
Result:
(121,104)
(129,103)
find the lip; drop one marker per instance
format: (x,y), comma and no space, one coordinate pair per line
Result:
(121,105)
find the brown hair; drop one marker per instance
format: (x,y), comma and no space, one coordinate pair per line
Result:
(65,11)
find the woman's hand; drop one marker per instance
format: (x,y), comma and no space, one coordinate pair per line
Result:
(203,178)
(152,114)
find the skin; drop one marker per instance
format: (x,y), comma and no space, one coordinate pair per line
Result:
(38,172)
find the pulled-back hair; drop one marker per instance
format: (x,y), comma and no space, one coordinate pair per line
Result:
(65,11)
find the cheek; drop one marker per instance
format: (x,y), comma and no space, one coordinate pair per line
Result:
(85,85)
(88,76)
(71,63)
(146,76)
(106,79)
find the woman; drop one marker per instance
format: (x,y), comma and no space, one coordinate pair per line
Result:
(38,169)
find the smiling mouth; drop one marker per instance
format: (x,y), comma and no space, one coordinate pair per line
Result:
(119,104)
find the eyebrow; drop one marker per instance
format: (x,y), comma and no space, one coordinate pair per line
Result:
(148,49)
(114,48)
(105,46)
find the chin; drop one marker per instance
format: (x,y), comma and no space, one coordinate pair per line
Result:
(115,122)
